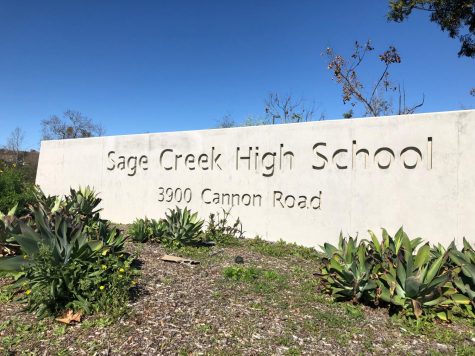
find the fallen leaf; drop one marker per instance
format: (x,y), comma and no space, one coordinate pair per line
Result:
(70,317)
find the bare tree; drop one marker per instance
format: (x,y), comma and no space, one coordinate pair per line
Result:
(403,109)
(278,109)
(256,121)
(286,109)
(376,101)
(15,143)
(73,125)
(226,122)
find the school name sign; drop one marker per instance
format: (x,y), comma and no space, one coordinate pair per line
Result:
(299,182)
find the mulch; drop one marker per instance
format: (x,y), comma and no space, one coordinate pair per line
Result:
(192,309)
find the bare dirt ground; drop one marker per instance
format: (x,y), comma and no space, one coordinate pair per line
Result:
(268,305)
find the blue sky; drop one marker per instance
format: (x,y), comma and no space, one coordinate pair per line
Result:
(151,66)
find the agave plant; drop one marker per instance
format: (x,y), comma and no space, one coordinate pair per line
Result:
(180,228)
(83,202)
(97,228)
(80,205)
(78,208)
(397,270)
(464,276)
(7,223)
(64,243)
(438,250)
(416,282)
(390,248)
(50,203)
(158,229)
(114,241)
(69,258)
(347,270)
(60,268)
(141,230)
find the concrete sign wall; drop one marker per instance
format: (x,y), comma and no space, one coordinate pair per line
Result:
(299,182)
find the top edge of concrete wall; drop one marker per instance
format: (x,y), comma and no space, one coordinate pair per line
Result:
(260,127)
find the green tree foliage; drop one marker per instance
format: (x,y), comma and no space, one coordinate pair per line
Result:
(457,17)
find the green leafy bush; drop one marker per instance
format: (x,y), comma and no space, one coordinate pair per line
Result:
(432,282)
(96,283)
(15,188)
(71,259)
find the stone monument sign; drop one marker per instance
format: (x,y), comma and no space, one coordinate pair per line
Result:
(303,182)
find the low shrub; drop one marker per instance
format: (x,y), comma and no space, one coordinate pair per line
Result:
(144,230)
(220,229)
(15,189)
(179,228)
(70,258)
(432,282)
